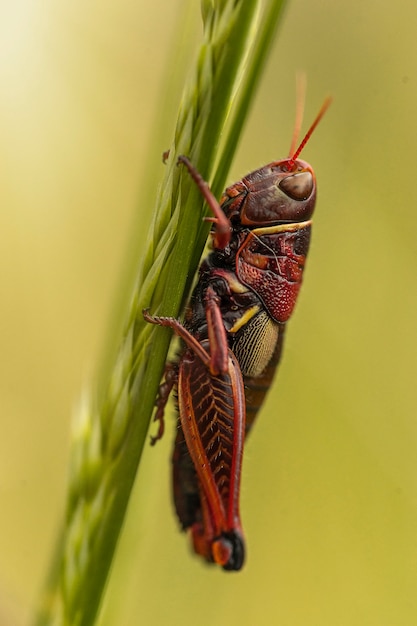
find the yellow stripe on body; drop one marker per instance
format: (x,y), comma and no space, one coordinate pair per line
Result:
(245,318)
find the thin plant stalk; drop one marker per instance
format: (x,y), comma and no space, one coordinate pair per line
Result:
(111,427)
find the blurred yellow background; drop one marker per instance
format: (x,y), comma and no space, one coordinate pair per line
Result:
(329,496)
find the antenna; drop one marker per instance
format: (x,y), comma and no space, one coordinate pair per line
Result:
(310,131)
(300,89)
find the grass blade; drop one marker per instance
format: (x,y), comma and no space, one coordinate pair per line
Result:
(111,429)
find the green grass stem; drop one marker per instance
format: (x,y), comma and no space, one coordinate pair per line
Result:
(111,429)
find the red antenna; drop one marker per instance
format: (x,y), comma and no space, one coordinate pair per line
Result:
(310,131)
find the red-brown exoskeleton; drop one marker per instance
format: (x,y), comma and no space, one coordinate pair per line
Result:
(232,340)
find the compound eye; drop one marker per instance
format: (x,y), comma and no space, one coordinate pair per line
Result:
(298,186)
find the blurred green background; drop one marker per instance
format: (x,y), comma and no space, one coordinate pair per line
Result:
(329,496)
